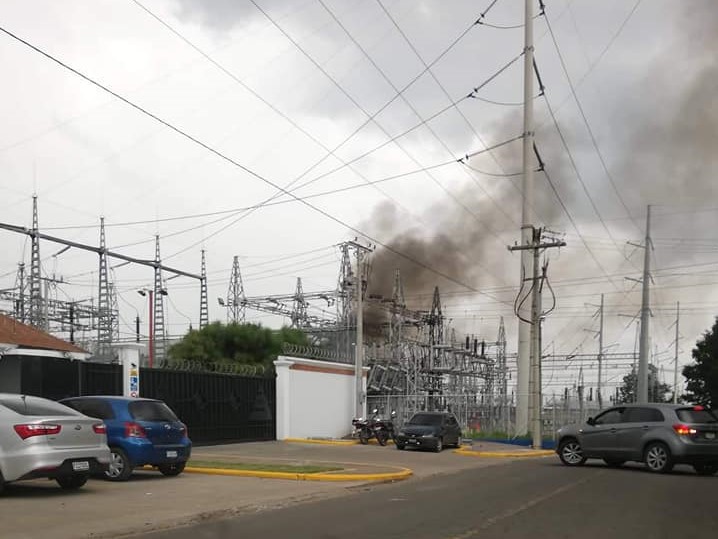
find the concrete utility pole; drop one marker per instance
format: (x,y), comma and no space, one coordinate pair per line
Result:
(600,358)
(535,404)
(675,357)
(644,348)
(359,282)
(535,378)
(527,222)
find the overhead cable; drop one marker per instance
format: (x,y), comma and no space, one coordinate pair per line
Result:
(235,163)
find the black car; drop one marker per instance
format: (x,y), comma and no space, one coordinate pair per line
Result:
(429,430)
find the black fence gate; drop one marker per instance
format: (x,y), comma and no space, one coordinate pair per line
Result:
(216,407)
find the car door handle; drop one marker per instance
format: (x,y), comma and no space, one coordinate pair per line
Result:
(613,430)
(645,427)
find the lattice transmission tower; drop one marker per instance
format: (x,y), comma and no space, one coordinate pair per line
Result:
(35,317)
(203,303)
(300,305)
(235,295)
(159,335)
(104,309)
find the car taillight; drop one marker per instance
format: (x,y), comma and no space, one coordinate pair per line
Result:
(99,428)
(185,432)
(684,429)
(698,408)
(28,431)
(133,430)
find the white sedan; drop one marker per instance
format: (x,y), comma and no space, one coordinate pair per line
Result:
(41,438)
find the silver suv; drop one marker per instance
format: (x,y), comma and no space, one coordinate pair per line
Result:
(660,435)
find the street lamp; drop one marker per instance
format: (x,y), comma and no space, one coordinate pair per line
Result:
(147,292)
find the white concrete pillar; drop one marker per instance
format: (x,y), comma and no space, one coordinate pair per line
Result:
(129,357)
(282,366)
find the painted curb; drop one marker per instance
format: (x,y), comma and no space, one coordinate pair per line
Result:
(330,442)
(529,453)
(320,442)
(403,473)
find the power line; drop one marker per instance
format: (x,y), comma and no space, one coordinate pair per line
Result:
(473,94)
(413,109)
(233,162)
(602,53)
(257,95)
(581,181)
(370,117)
(588,125)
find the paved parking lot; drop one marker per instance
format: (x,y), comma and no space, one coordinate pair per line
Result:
(151,501)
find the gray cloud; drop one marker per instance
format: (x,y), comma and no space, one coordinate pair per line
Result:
(219,15)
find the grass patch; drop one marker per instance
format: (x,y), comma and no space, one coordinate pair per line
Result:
(263,466)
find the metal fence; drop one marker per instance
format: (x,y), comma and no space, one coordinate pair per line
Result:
(216,407)
(480,418)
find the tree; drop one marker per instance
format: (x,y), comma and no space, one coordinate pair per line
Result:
(657,391)
(702,375)
(246,344)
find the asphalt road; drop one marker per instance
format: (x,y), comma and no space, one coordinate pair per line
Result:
(537,499)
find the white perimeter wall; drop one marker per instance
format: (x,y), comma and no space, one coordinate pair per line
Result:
(315,399)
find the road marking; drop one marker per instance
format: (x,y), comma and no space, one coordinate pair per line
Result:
(521,508)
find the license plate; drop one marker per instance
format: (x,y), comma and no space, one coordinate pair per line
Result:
(171,454)
(710,435)
(81,466)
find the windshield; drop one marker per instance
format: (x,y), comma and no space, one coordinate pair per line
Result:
(691,415)
(425,419)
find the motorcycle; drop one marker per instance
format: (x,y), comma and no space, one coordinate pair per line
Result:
(384,429)
(374,427)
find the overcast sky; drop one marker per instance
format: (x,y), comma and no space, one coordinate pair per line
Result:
(295,90)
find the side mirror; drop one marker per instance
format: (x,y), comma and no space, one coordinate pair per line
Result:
(591,421)
(393,413)
(375,411)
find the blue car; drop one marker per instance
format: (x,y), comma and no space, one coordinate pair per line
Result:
(139,432)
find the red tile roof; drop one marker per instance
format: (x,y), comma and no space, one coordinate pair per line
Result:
(24,336)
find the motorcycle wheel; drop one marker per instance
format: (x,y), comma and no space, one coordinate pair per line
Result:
(364,437)
(382,438)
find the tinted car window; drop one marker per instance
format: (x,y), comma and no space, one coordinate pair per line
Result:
(92,408)
(610,418)
(643,415)
(151,411)
(32,407)
(690,415)
(425,419)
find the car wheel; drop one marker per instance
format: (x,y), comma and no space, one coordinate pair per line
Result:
(614,463)
(570,453)
(706,469)
(2,483)
(120,468)
(172,469)
(439,445)
(658,458)
(400,446)
(72,482)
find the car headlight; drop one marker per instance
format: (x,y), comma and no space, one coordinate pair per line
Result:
(430,435)
(402,433)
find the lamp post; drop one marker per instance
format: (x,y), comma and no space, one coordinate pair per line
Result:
(147,292)
(150,293)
